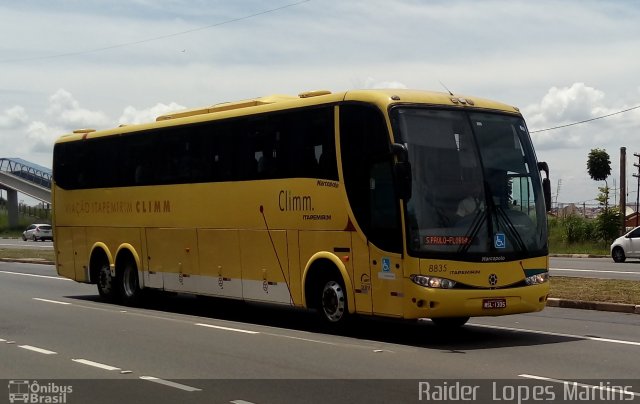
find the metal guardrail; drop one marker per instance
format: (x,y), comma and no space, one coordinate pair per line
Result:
(28,171)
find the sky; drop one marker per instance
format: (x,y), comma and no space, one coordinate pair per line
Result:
(70,64)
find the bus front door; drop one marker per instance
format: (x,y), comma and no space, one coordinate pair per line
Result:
(386,282)
(361,274)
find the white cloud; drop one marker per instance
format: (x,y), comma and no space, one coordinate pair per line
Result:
(40,137)
(566,148)
(66,111)
(13,117)
(565,106)
(37,136)
(370,82)
(131,115)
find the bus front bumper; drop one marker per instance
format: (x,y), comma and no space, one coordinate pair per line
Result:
(424,302)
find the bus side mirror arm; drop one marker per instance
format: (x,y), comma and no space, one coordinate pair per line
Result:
(546,184)
(402,170)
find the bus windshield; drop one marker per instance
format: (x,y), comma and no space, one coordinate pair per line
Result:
(475,186)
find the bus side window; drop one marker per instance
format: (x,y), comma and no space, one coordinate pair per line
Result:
(221,150)
(328,165)
(309,162)
(367,165)
(140,176)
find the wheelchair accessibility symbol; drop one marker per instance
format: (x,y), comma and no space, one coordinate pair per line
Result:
(500,240)
(386,264)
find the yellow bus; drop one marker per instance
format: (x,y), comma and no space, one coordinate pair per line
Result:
(397,203)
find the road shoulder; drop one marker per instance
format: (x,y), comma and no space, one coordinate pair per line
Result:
(600,306)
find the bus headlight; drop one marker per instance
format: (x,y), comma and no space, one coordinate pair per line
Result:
(537,279)
(432,282)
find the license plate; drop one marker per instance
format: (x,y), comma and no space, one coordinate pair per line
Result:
(494,303)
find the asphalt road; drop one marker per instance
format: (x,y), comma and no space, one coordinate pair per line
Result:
(603,268)
(183,349)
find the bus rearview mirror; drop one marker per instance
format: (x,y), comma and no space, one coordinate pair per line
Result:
(402,171)
(546,184)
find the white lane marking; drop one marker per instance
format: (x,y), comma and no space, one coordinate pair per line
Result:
(240,402)
(227,328)
(95,364)
(594,270)
(338,344)
(591,386)
(27,246)
(36,276)
(49,301)
(170,384)
(3,340)
(36,349)
(305,339)
(557,334)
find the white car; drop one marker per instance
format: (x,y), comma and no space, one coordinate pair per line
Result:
(37,232)
(627,246)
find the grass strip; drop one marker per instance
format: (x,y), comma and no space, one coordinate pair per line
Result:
(595,290)
(39,253)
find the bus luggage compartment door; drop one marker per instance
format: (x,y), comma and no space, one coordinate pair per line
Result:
(174,254)
(265,266)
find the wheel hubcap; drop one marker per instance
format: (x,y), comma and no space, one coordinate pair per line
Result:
(333,301)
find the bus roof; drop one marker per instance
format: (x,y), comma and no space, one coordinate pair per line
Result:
(383,98)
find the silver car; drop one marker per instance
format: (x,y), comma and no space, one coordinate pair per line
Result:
(37,232)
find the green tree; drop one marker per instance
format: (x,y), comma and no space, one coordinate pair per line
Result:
(599,168)
(599,165)
(608,224)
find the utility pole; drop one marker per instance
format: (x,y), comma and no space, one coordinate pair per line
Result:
(638,184)
(615,193)
(558,193)
(623,191)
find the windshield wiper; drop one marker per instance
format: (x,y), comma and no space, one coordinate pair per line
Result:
(474,228)
(508,224)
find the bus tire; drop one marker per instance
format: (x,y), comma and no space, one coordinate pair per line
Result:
(128,283)
(105,282)
(450,322)
(332,304)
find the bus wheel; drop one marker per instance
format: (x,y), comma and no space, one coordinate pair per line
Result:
(128,284)
(450,322)
(333,302)
(105,283)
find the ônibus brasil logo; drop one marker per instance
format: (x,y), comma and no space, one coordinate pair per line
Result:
(25,391)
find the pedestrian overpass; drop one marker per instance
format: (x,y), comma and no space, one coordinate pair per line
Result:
(18,175)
